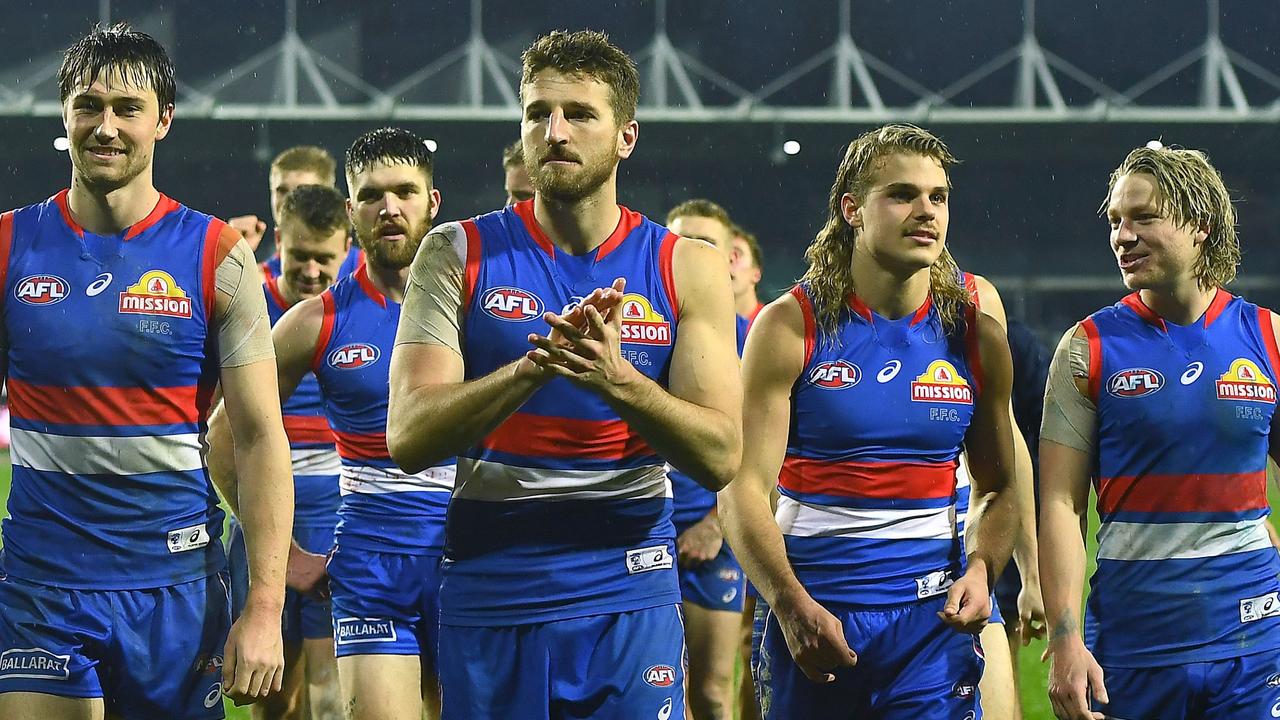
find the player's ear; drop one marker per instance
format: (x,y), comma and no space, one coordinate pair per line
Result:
(165,122)
(1201,234)
(851,210)
(435,203)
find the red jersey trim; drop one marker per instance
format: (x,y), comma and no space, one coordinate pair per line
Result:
(1206,493)
(751,317)
(104,405)
(810,322)
(1134,302)
(273,289)
(971,285)
(887,480)
(1269,340)
(326,329)
(560,437)
(362,446)
(524,210)
(6,244)
(311,429)
(164,206)
(266,271)
(362,279)
(64,209)
(219,238)
(628,221)
(667,269)
(1095,358)
(1220,301)
(973,346)
(471,270)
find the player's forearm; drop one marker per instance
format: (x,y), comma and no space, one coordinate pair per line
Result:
(432,422)
(704,443)
(1024,547)
(1062,562)
(221,459)
(993,520)
(752,532)
(266,513)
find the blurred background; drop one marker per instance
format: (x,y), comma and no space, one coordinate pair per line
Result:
(745,102)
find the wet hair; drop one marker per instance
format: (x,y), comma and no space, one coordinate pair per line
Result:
(1193,195)
(513,155)
(307,158)
(830,255)
(139,58)
(699,207)
(587,53)
(390,146)
(318,207)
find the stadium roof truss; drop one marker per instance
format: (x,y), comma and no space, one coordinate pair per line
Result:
(307,85)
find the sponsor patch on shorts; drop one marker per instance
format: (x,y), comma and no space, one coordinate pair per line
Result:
(34,663)
(351,631)
(188,538)
(660,675)
(935,583)
(1263,606)
(649,558)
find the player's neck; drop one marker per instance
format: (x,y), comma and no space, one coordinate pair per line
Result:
(1181,305)
(580,226)
(746,303)
(391,282)
(111,212)
(889,294)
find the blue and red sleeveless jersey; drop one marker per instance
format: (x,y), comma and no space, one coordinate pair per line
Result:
(383,508)
(111,368)
(315,460)
(1186,571)
(563,510)
(355,256)
(868,483)
(691,502)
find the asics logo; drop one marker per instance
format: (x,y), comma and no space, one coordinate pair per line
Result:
(664,712)
(1193,372)
(99,284)
(889,371)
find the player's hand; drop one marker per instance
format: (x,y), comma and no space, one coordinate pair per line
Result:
(700,543)
(968,605)
(592,358)
(253,665)
(1031,620)
(603,299)
(251,228)
(307,572)
(1074,675)
(815,638)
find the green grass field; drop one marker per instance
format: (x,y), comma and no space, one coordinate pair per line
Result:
(1033,674)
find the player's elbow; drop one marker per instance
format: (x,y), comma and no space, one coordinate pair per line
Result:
(721,466)
(406,448)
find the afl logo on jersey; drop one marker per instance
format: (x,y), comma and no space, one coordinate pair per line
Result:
(660,675)
(1135,383)
(835,375)
(155,293)
(41,290)
(354,356)
(1245,381)
(511,304)
(940,383)
(641,324)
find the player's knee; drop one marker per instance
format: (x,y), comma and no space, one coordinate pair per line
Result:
(709,697)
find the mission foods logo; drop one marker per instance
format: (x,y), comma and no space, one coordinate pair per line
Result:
(353,356)
(1134,383)
(835,375)
(41,289)
(155,293)
(511,304)
(641,325)
(941,384)
(1245,381)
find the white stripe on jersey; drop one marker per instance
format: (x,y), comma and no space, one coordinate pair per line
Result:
(495,482)
(803,520)
(1171,541)
(369,480)
(106,455)
(962,471)
(315,461)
